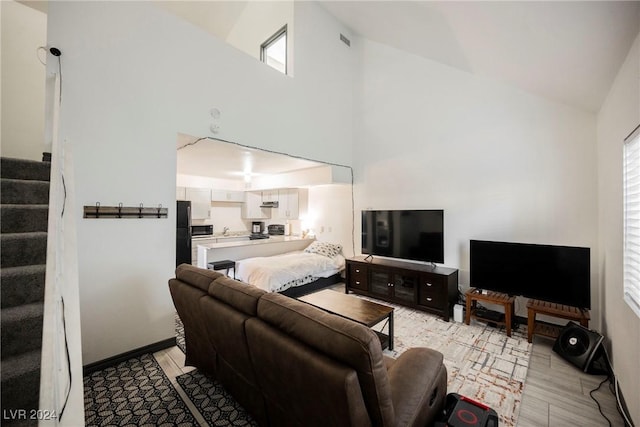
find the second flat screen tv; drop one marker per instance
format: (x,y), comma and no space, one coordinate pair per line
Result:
(407,234)
(559,274)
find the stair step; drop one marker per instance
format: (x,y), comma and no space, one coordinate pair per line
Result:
(21,329)
(24,169)
(18,249)
(24,192)
(23,218)
(22,285)
(20,384)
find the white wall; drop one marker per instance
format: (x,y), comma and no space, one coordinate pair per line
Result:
(134,76)
(330,215)
(502,163)
(23,76)
(619,115)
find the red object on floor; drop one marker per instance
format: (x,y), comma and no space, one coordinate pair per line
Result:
(461,411)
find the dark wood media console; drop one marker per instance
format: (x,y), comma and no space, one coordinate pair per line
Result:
(427,288)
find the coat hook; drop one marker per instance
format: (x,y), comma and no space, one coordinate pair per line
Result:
(140,211)
(97,209)
(120,210)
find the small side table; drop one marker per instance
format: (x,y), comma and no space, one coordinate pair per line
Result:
(474,295)
(225,264)
(552,309)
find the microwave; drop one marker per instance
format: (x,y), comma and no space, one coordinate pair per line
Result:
(276,229)
(201,230)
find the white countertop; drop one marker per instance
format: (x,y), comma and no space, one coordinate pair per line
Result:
(220,236)
(271,239)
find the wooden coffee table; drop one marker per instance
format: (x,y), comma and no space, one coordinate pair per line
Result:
(365,312)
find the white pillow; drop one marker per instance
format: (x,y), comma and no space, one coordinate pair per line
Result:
(323,248)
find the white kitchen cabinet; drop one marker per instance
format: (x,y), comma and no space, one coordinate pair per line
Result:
(227,196)
(269,196)
(200,202)
(251,208)
(288,206)
(292,203)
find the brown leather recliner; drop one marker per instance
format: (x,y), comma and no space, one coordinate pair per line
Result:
(291,364)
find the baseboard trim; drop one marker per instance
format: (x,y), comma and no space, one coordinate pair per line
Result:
(114,360)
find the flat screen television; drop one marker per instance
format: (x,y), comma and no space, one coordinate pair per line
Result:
(559,274)
(407,234)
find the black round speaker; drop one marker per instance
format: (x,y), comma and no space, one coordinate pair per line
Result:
(574,344)
(578,345)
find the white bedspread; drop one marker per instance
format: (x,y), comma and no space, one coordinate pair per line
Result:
(281,272)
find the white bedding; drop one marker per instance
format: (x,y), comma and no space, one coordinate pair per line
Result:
(281,272)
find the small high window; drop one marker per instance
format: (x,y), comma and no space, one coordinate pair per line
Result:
(273,52)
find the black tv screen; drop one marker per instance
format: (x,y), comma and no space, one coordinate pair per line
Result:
(558,274)
(408,234)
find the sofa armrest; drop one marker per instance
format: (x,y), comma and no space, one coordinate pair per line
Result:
(418,380)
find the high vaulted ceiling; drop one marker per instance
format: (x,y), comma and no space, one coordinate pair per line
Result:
(568,52)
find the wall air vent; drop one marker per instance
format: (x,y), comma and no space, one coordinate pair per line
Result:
(345,40)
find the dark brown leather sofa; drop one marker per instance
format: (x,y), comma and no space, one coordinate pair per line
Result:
(290,364)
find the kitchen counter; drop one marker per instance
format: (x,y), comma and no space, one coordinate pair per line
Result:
(235,250)
(220,238)
(226,242)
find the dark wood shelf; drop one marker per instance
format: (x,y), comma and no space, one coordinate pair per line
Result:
(547,329)
(500,321)
(537,327)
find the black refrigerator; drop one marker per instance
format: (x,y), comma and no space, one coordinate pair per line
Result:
(183,232)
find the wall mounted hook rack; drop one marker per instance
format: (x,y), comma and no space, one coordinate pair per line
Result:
(101,212)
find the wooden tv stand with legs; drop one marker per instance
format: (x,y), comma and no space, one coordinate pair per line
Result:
(474,295)
(535,306)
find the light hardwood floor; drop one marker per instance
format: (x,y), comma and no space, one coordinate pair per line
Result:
(556,393)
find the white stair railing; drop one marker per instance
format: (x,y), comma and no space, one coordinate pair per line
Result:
(61,385)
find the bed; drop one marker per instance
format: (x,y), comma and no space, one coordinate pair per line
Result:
(294,273)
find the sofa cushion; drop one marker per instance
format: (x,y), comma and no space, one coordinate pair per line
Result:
(198,277)
(351,343)
(225,329)
(302,386)
(238,295)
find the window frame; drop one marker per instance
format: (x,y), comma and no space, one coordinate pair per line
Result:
(631,220)
(271,40)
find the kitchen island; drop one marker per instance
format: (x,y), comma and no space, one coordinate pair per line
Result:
(233,249)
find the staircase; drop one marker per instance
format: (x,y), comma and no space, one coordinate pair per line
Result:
(24,202)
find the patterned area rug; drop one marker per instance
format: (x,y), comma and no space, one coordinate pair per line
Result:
(482,362)
(134,393)
(213,402)
(180,334)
